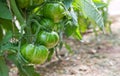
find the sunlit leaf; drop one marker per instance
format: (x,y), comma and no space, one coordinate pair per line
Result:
(67,3)
(91,12)
(77,34)
(99,4)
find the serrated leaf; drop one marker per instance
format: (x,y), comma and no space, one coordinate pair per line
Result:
(100,4)
(4,12)
(24,70)
(67,3)
(3,67)
(91,12)
(73,15)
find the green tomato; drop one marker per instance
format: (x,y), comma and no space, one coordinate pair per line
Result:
(34,54)
(23,3)
(27,3)
(49,39)
(38,2)
(54,11)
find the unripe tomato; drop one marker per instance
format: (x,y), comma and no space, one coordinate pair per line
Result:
(34,54)
(54,11)
(27,3)
(49,39)
(23,3)
(37,2)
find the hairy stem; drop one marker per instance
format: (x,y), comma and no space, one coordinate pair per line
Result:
(17,12)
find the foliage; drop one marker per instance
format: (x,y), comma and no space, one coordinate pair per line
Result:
(42,24)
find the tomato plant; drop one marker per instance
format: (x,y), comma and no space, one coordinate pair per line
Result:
(32,30)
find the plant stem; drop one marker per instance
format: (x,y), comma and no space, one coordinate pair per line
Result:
(38,29)
(17,12)
(19,17)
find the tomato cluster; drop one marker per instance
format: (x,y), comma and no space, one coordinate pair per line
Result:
(45,34)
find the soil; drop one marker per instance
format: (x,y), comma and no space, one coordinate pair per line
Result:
(94,56)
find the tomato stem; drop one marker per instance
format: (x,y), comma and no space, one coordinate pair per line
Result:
(17,12)
(39,26)
(20,18)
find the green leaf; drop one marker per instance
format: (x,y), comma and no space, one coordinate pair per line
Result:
(4,11)
(9,47)
(91,12)
(4,47)
(73,15)
(67,3)
(7,25)
(70,28)
(24,70)
(3,67)
(7,37)
(100,4)
(77,34)
(83,24)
